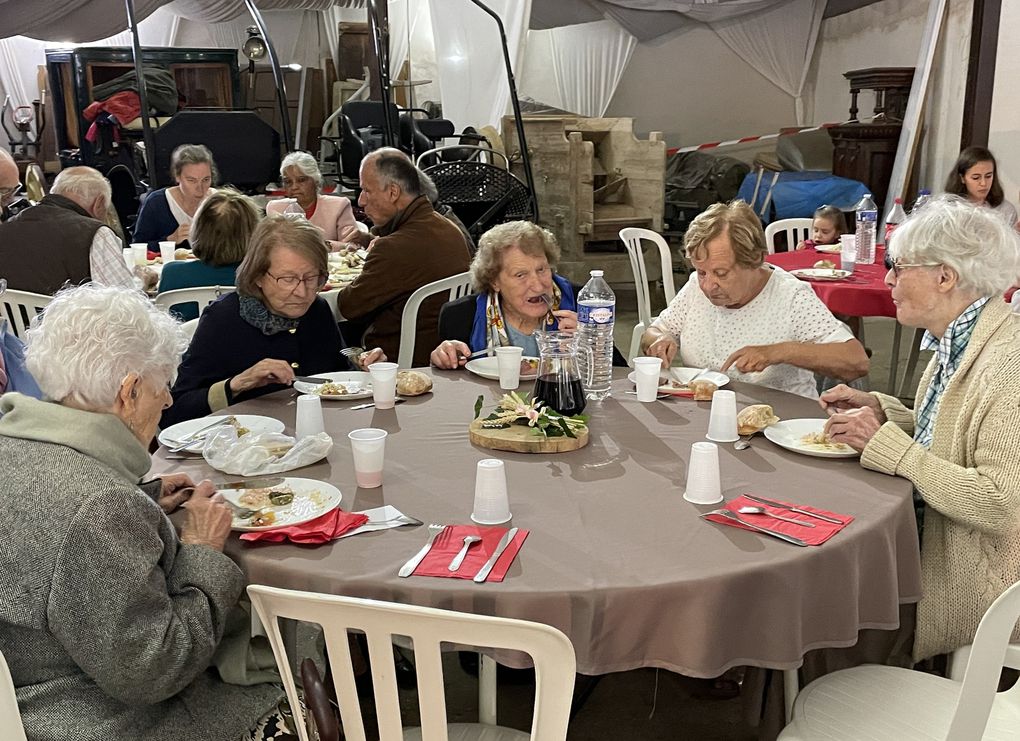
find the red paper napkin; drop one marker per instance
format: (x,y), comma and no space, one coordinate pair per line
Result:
(450,541)
(323,529)
(817,535)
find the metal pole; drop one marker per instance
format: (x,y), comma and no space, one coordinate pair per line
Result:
(281,88)
(525,158)
(143,98)
(381,42)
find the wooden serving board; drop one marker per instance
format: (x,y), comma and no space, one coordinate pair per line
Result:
(522,439)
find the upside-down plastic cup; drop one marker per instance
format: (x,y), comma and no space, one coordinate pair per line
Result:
(129,258)
(848,252)
(491,504)
(703,485)
(722,423)
(384,384)
(140,252)
(369,448)
(646,374)
(309,416)
(167,252)
(509,361)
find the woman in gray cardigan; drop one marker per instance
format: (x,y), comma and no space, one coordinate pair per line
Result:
(108,619)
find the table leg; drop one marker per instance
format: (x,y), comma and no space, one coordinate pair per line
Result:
(894,359)
(912,357)
(486,690)
(791,686)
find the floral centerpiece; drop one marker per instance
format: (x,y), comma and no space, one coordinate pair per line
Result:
(514,409)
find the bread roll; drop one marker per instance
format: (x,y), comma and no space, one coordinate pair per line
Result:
(703,390)
(413,383)
(755,418)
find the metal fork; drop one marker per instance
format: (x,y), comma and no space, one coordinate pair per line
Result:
(188,440)
(353,353)
(434,529)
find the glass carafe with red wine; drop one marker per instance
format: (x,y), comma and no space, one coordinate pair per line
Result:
(559,384)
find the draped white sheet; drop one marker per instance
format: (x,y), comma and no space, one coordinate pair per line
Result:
(470,59)
(778,42)
(588,62)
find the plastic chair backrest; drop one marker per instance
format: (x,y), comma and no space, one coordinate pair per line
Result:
(458,285)
(11,728)
(20,308)
(202,295)
(427,628)
(632,237)
(987,657)
(330,297)
(796,230)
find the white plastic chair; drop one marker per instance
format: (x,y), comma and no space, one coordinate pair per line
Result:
(202,295)
(458,285)
(330,297)
(20,308)
(189,327)
(11,728)
(795,229)
(885,702)
(632,238)
(428,628)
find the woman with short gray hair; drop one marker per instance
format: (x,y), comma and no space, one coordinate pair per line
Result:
(116,618)
(166,214)
(949,264)
(302,180)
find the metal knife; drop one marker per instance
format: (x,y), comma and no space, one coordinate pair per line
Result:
(483,573)
(263,482)
(408,568)
(774,533)
(773,503)
(311,379)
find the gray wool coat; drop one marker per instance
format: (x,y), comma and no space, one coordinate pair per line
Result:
(107,620)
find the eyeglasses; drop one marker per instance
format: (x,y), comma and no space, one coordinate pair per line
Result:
(896,266)
(291,282)
(13,190)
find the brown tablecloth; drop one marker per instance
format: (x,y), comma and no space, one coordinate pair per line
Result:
(616,558)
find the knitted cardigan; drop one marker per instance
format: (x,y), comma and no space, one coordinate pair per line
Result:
(969,479)
(107,620)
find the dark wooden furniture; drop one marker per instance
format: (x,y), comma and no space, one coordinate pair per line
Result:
(866,151)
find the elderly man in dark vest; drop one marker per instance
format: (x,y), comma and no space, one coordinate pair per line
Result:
(63,239)
(412,246)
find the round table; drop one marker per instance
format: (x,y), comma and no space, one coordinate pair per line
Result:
(862,294)
(616,559)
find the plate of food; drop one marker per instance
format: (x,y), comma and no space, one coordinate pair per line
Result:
(831,249)
(807,436)
(824,273)
(488,367)
(174,435)
(705,383)
(291,503)
(342,386)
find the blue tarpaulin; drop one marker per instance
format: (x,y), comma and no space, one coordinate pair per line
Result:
(798,194)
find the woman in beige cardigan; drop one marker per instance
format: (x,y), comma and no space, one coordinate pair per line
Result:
(948,267)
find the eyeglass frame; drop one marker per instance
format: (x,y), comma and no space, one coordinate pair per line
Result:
(896,267)
(12,191)
(283,280)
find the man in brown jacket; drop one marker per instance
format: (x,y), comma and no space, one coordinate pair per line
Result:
(413,246)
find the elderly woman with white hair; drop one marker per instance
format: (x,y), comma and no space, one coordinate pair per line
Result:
(303,183)
(948,267)
(111,619)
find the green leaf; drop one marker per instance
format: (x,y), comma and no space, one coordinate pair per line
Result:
(478,405)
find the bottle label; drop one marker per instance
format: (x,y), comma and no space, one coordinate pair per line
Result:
(867,216)
(889,229)
(595,314)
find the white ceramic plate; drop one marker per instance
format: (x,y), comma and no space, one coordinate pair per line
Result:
(832,249)
(311,499)
(820,273)
(666,380)
(789,434)
(488,367)
(255,424)
(357,379)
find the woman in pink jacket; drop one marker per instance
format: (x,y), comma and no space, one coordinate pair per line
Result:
(303,182)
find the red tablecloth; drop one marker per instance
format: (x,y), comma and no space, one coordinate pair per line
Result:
(863,294)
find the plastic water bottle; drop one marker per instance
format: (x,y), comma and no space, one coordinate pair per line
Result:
(923,196)
(896,217)
(596,312)
(867,223)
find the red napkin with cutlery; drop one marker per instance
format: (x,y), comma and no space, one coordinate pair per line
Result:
(817,535)
(451,540)
(322,529)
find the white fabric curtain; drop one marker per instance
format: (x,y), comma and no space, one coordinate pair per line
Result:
(778,42)
(474,87)
(588,62)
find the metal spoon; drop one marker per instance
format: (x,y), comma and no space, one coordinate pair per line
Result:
(763,511)
(744,442)
(469,540)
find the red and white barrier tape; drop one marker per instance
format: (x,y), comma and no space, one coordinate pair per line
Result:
(761,137)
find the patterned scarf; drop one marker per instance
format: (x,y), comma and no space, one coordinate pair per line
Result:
(489,328)
(257,315)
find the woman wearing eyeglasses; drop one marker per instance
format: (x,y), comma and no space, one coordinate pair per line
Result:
(274,327)
(949,265)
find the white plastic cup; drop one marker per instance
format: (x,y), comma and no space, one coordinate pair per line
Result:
(703,485)
(491,504)
(722,424)
(509,360)
(369,448)
(129,258)
(140,252)
(309,416)
(384,384)
(167,251)
(848,252)
(646,374)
